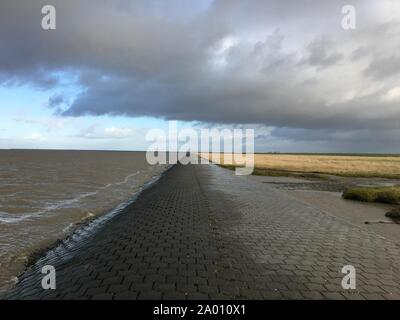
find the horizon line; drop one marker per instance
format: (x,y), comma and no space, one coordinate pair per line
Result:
(264,152)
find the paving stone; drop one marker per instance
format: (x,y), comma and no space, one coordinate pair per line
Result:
(103,296)
(150,295)
(126,295)
(197,296)
(373,296)
(333,296)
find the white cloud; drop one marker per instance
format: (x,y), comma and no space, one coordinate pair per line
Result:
(115,132)
(93,132)
(392,95)
(36,137)
(220,52)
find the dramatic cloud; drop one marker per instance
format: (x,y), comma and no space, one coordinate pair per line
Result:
(277,63)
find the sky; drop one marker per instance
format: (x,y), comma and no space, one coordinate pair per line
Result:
(112,70)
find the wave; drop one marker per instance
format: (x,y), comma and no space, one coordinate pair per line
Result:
(6,217)
(9,218)
(15,218)
(69,202)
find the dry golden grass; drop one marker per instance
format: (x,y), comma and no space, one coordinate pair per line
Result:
(344,165)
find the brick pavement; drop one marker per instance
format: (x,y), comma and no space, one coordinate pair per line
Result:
(202,233)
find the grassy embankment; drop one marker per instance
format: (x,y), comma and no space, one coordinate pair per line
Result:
(389,195)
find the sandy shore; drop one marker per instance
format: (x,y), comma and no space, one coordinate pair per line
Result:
(201,232)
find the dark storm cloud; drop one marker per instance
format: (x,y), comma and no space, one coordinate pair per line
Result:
(333,140)
(285,64)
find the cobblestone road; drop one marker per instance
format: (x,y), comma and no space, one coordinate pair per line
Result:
(203,233)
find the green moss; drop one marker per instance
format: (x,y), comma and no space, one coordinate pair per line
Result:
(374,194)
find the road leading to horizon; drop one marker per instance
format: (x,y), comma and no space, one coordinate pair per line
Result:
(203,233)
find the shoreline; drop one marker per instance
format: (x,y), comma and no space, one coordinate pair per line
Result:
(81,231)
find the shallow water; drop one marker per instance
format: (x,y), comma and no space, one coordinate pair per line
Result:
(43,194)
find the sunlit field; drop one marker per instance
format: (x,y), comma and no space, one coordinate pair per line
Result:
(345,165)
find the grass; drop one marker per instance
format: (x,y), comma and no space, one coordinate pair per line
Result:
(394,214)
(365,166)
(282,173)
(374,194)
(279,173)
